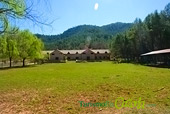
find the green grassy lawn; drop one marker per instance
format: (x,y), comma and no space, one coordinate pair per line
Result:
(57,88)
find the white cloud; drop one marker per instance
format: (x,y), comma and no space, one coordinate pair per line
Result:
(96,6)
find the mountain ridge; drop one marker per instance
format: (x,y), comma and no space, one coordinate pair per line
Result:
(79,36)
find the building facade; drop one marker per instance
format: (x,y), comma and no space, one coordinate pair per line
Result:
(87,54)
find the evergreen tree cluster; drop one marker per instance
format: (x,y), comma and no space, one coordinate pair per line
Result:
(151,34)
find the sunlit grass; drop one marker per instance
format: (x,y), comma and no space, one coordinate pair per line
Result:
(52,88)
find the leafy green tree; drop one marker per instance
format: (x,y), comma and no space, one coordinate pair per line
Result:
(29,46)
(10,8)
(3,47)
(36,49)
(12,51)
(8,47)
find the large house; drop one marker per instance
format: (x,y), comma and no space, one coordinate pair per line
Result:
(86,54)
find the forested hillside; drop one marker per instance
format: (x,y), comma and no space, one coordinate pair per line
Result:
(84,35)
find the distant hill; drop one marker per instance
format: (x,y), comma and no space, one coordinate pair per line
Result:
(83,36)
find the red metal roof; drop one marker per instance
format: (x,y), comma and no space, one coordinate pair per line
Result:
(157,52)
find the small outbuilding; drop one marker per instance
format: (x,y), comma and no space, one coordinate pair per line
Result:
(157,57)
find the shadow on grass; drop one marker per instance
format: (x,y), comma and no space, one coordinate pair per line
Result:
(148,65)
(18,67)
(154,65)
(158,66)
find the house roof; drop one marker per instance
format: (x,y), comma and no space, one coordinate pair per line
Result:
(81,51)
(101,50)
(71,51)
(45,52)
(164,51)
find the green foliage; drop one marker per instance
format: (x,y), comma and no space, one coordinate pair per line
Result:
(167,10)
(3,47)
(151,34)
(8,47)
(22,45)
(29,45)
(10,8)
(11,48)
(36,48)
(77,37)
(63,85)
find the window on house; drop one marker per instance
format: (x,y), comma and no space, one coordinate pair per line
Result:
(77,58)
(68,58)
(106,52)
(77,53)
(68,53)
(97,52)
(56,58)
(88,57)
(92,53)
(53,54)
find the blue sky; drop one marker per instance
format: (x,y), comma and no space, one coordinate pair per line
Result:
(70,13)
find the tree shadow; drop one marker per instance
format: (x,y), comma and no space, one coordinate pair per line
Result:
(157,66)
(18,67)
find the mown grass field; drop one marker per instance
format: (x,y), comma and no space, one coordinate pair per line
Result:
(57,88)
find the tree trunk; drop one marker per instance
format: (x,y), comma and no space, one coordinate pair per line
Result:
(10,60)
(23,62)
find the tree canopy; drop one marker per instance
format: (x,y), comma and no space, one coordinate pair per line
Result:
(151,34)
(21,45)
(29,46)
